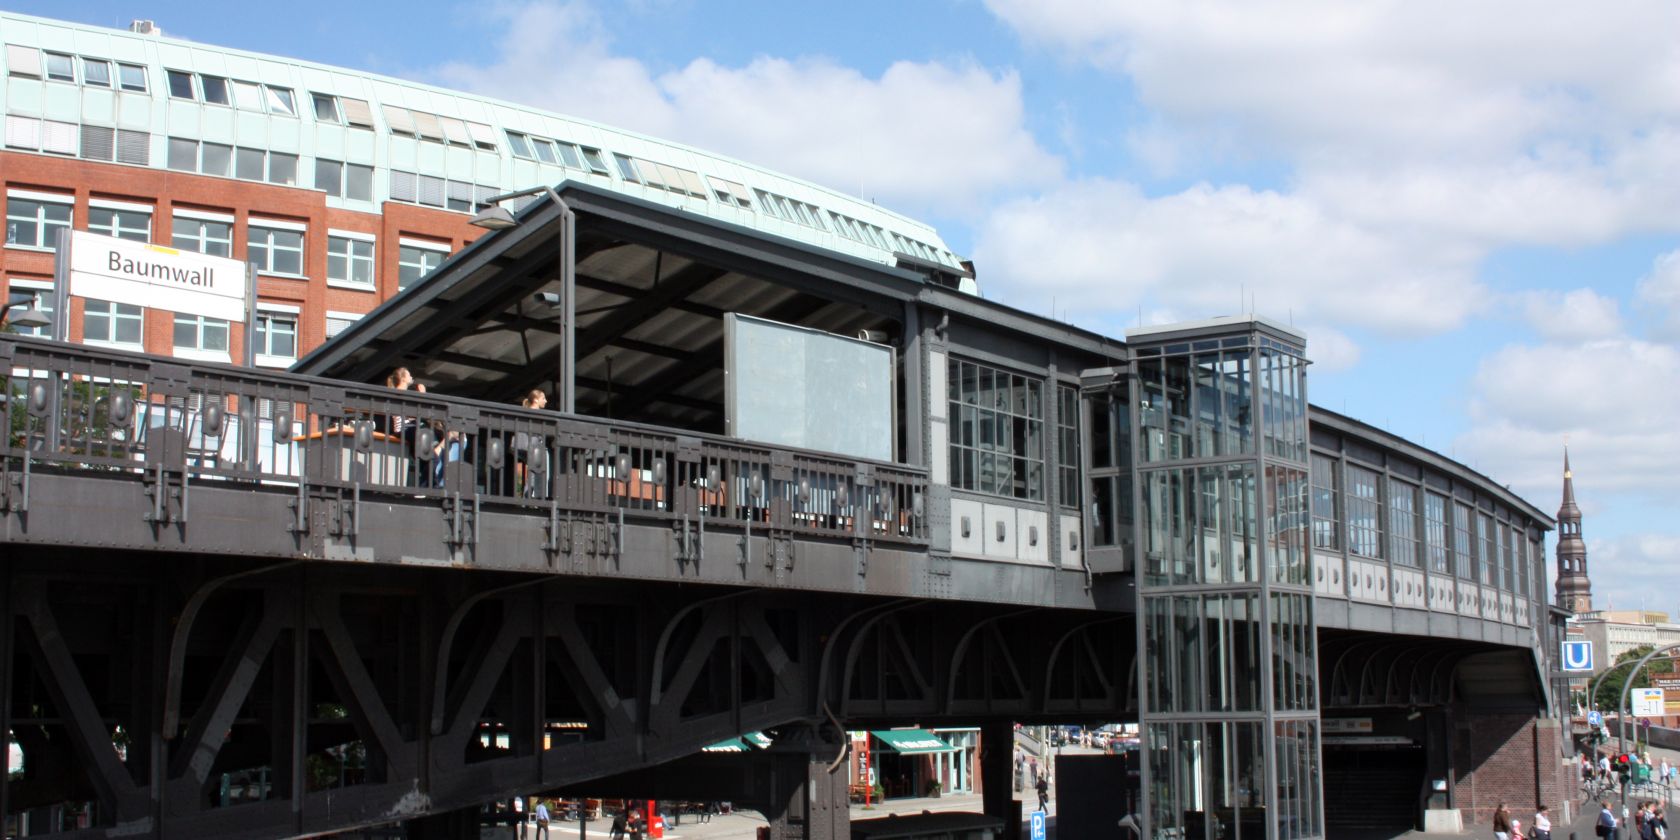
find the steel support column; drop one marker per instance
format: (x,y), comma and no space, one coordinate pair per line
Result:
(997,776)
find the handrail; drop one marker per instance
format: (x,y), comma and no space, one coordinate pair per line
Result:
(172,419)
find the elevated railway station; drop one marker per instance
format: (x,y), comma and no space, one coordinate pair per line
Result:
(779,480)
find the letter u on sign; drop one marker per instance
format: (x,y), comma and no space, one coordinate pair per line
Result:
(1577,656)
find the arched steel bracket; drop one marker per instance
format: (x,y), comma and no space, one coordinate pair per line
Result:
(853,650)
(656,683)
(834,638)
(1056,651)
(183,631)
(962,649)
(446,644)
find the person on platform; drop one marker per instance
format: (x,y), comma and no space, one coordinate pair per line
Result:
(541,814)
(1658,823)
(1502,823)
(634,825)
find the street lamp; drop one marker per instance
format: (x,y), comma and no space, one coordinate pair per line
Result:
(26,316)
(495,217)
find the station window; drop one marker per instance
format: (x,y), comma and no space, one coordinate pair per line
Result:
(1067,445)
(104,322)
(1364,503)
(1489,549)
(35,223)
(1435,531)
(134,224)
(997,445)
(1402,523)
(1464,541)
(275,250)
(1326,495)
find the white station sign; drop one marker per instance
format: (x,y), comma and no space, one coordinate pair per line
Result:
(138,274)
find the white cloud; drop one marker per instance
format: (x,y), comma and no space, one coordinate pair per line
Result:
(1636,571)
(1660,289)
(1430,78)
(1614,401)
(926,134)
(1207,250)
(1578,315)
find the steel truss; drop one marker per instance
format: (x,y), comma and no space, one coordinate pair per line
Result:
(191,697)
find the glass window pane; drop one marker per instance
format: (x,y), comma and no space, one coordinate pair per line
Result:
(180,84)
(96,72)
(215,90)
(326,107)
(249,164)
(217,160)
(132,77)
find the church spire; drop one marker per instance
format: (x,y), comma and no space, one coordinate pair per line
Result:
(1574,589)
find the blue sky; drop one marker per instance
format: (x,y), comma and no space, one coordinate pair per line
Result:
(1472,210)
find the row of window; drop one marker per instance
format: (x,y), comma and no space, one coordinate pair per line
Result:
(64,67)
(660,176)
(438,128)
(191,156)
(216,90)
(557,152)
(90,142)
(105,322)
(276,249)
(432,191)
(1415,527)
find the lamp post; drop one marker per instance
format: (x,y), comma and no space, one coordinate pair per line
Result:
(495,217)
(26,316)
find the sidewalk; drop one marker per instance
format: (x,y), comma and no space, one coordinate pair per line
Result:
(744,825)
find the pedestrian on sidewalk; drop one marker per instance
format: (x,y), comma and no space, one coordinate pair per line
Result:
(1044,795)
(1502,823)
(1606,826)
(1542,824)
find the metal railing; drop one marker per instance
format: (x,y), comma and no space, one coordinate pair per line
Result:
(69,407)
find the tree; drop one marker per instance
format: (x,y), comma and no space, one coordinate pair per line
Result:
(1609,697)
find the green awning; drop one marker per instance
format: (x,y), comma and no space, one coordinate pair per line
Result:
(731,745)
(912,741)
(757,739)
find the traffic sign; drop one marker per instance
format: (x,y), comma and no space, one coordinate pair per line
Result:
(1647,702)
(1595,719)
(1578,656)
(1037,825)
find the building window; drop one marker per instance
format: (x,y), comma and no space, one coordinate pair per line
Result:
(96,72)
(415,262)
(104,322)
(35,223)
(23,61)
(61,67)
(1435,531)
(275,250)
(215,90)
(132,77)
(326,107)
(338,322)
(218,159)
(1325,497)
(41,300)
(1067,445)
(249,164)
(520,146)
(276,336)
(180,85)
(1402,523)
(121,223)
(1507,564)
(1464,540)
(350,261)
(282,168)
(1364,503)
(351,180)
(198,334)
(202,235)
(998,444)
(280,101)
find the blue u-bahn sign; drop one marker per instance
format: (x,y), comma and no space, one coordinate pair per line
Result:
(1577,656)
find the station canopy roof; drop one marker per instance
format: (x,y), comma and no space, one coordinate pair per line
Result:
(653,284)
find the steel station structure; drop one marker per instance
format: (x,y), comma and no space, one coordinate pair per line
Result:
(255,602)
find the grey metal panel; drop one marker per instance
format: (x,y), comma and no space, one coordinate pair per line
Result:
(800,387)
